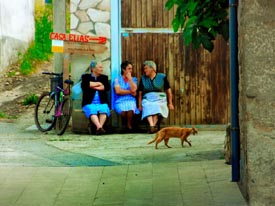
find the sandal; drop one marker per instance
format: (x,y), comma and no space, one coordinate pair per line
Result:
(153,129)
(100,131)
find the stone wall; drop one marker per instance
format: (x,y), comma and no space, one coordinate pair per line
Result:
(257,100)
(90,17)
(16,29)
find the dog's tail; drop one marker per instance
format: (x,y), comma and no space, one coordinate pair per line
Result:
(153,139)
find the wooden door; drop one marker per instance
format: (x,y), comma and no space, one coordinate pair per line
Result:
(199,79)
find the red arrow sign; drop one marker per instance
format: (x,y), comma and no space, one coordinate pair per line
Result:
(77,38)
(100,39)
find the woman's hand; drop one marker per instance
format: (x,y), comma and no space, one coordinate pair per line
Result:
(133,93)
(129,76)
(96,85)
(171,106)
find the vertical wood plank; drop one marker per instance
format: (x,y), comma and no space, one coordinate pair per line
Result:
(138,11)
(199,79)
(143,15)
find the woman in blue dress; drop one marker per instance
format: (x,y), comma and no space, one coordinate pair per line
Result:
(125,87)
(95,100)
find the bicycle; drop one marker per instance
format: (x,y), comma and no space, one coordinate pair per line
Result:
(54,109)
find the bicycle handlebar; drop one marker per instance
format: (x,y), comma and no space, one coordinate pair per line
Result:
(52,73)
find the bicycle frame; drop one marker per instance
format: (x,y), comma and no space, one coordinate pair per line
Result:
(59,102)
(58,95)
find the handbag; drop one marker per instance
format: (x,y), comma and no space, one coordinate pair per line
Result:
(77,91)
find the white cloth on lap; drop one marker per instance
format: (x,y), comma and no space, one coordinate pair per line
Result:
(154,103)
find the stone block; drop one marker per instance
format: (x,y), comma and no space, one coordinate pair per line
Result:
(80,124)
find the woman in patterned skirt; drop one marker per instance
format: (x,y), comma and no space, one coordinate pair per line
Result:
(155,95)
(125,87)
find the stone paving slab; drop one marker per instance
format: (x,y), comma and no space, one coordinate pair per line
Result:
(186,184)
(119,169)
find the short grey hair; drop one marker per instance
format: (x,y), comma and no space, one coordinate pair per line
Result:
(151,64)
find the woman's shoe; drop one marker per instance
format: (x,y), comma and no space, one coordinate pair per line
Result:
(153,129)
(129,130)
(100,131)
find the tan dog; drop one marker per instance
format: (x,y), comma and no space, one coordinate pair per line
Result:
(168,132)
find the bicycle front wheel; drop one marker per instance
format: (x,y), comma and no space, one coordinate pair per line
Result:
(44,112)
(63,120)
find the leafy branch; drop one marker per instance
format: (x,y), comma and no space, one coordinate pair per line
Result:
(200,21)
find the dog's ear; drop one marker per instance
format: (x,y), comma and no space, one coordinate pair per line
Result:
(194,130)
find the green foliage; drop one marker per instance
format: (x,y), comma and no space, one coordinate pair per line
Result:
(2,115)
(200,21)
(11,74)
(5,116)
(30,99)
(40,49)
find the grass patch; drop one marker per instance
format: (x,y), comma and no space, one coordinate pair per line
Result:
(5,116)
(11,73)
(2,115)
(40,48)
(30,99)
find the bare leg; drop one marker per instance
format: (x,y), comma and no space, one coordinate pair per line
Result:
(124,117)
(130,115)
(102,119)
(95,121)
(150,121)
(155,119)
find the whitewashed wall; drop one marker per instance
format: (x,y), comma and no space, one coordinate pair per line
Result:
(16,29)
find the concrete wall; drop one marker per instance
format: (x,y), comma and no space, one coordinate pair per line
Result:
(16,29)
(90,17)
(257,100)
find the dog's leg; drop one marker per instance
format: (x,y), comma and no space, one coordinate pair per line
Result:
(182,141)
(188,142)
(158,140)
(166,142)
(156,146)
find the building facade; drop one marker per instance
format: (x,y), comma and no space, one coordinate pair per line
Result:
(257,100)
(16,29)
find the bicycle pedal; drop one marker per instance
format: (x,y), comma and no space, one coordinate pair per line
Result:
(49,120)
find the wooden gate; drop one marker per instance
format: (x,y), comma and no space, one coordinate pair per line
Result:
(199,79)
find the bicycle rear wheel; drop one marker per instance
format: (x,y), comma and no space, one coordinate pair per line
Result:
(63,120)
(44,112)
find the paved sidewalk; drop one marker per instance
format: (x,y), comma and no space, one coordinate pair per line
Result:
(43,169)
(185,183)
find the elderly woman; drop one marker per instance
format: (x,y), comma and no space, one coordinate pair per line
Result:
(155,95)
(125,87)
(94,100)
